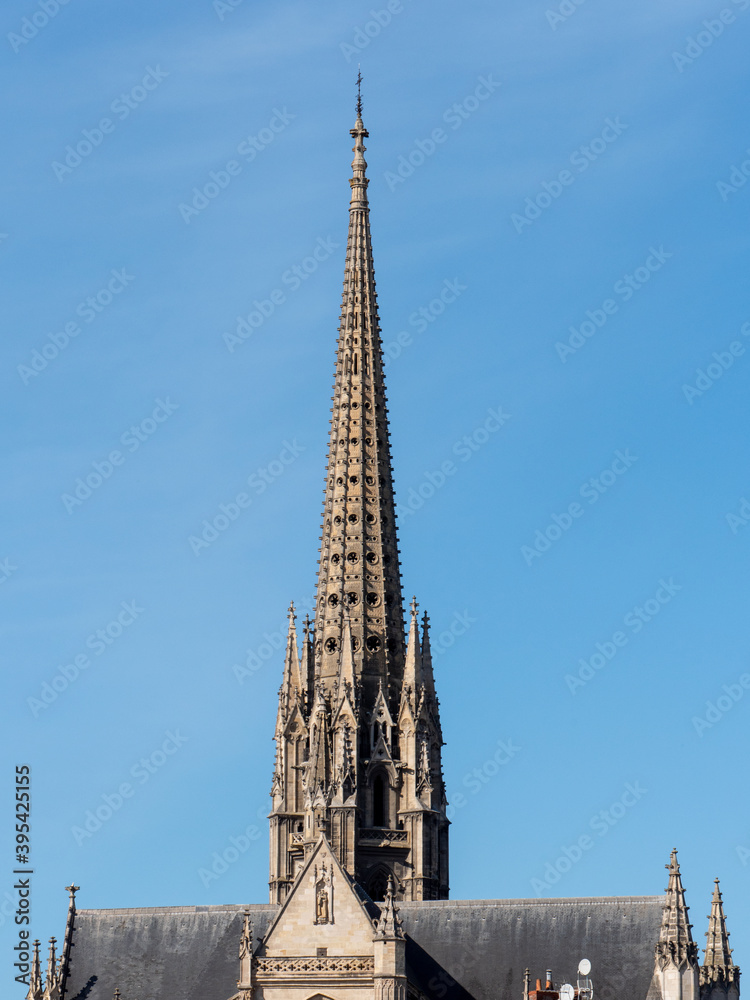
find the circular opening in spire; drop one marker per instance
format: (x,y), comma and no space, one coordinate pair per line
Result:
(335,558)
(331,645)
(353,518)
(372,599)
(353,598)
(372,557)
(333,600)
(353,557)
(373,643)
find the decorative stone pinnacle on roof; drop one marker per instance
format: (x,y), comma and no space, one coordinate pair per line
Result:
(389,924)
(246,939)
(718,967)
(676,943)
(36,986)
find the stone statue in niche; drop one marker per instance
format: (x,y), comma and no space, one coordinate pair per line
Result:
(323,895)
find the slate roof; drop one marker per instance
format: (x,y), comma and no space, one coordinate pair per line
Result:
(485,945)
(164,953)
(457,950)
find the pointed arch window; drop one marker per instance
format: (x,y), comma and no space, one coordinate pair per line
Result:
(379,801)
(378,884)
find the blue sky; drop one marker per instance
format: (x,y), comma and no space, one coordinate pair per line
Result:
(586,202)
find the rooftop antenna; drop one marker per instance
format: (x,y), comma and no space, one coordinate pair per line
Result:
(359,91)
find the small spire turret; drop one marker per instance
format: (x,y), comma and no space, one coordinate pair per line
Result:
(389,924)
(413,666)
(675,938)
(36,987)
(246,953)
(676,972)
(719,976)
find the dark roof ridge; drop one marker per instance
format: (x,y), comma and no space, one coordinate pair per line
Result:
(213,908)
(554,901)
(418,904)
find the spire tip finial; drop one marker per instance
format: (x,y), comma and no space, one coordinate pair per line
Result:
(359,91)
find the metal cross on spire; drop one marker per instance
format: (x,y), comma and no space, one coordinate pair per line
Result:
(359,92)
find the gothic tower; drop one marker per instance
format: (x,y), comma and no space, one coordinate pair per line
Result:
(358,737)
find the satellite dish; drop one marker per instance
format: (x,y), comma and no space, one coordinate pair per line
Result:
(567,992)
(584,967)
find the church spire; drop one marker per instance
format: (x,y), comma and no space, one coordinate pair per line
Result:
(344,767)
(718,973)
(359,558)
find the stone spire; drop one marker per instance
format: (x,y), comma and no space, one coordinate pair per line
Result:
(343,766)
(52,975)
(359,558)
(246,953)
(413,665)
(307,661)
(676,968)
(719,976)
(291,686)
(36,987)
(427,673)
(675,937)
(389,925)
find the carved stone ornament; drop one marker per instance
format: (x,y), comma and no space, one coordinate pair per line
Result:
(323,895)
